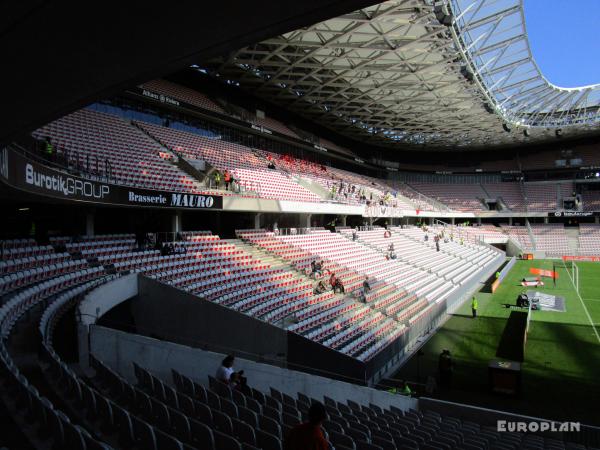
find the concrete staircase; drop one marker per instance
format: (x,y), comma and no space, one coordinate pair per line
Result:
(531,237)
(264,256)
(437,205)
(524,195)
(277,262)
(559,198)
(313,187)
(487,194)
(573,239)
(199,178)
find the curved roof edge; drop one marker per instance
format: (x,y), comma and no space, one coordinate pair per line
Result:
(491,35)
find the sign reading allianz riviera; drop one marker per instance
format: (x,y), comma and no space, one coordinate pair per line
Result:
(24,174)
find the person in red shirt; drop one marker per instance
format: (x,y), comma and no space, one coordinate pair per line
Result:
(308,436)
(227,178)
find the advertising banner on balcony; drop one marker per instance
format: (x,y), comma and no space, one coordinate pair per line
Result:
(574,214)
(25,174)
(581,258)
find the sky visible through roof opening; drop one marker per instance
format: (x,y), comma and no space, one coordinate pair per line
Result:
(564,36)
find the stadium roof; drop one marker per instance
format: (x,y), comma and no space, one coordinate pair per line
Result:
(444,75)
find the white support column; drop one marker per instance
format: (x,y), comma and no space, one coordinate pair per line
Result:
(597,220)
(257,220)
(342,220)
(510,221)
(545,219)
(176,222)
(90,217)
(479,221)
(307,222)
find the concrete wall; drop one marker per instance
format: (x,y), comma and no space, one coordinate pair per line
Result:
(513,248)
(165,312)
(314,187)
(119,350)
(97,303)
(107,296)
(467,289)
(266,205)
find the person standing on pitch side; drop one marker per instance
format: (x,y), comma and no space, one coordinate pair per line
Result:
(474,306)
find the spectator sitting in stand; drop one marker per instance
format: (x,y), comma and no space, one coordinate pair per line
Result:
(366,288)
(319,268)
(225,370)
(309,435)
(332,280)
(367,285)
(227,375)
(338,286)
(237,380)
(315,269)
(320,288)
(387,234)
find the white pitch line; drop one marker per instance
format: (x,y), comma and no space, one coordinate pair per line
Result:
(583,304)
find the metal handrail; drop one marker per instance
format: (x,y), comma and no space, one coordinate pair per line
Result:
(293,231)
(63,159)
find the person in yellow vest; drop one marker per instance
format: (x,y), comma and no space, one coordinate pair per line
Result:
(217,178)
(497,275)
(49,149)
(474,306)
(406,389)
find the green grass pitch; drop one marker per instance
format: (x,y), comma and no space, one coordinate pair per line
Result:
(561,368)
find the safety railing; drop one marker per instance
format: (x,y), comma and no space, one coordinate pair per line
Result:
(72,161)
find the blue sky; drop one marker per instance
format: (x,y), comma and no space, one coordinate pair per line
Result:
(564,36)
